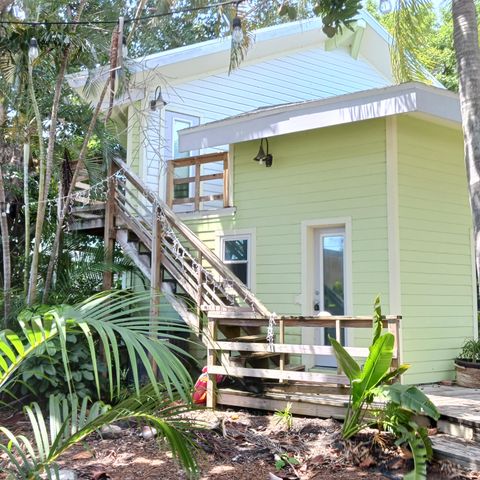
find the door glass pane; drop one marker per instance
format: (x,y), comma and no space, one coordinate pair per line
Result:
(332,252)
(333,281)
(177,126)
(236,250)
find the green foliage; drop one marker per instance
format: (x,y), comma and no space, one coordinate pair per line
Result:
(71,420)
(111,318)
(284,459)
(285,416)
(470,351)
(371,382)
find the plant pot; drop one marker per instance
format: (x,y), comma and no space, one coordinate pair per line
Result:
(468,373)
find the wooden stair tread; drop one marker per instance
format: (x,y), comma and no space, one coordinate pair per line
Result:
(257,355)
(259,338)
(294,368)
(456,450)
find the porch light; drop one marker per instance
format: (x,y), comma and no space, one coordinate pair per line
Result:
(385,7)
(33,51)
(264,158)
(237,32)
(158,100)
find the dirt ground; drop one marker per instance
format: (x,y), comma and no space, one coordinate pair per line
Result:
(241,445)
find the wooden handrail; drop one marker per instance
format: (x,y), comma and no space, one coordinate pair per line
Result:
(193,240)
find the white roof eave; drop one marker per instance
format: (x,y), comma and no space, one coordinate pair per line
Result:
(298,117)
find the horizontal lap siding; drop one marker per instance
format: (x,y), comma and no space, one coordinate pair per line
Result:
(333,172)
(291,77)
(435,250)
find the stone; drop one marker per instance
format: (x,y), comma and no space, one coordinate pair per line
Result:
(148,432)
(111,431)
(63,474)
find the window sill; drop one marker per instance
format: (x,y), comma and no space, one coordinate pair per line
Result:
(220,212)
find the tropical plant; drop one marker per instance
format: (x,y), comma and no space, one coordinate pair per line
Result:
(470,351)
(285,416)
(372,382)
(71,420)
(103,320)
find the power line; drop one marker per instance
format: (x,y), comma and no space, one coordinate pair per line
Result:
(127,20)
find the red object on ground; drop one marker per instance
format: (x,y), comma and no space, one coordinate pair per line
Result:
(200,389)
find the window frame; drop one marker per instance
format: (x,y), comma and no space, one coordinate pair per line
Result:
(249,237)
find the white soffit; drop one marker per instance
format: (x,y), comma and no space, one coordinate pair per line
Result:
(297,117)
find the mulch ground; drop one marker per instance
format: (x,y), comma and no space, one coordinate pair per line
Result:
(242,445)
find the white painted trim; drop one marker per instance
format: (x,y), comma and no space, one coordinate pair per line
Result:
(231,173)
(308,115)
(393,227)
(242,232)
(307,228)
(474,285)
(210,214)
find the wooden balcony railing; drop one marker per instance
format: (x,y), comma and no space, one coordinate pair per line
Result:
(203,184)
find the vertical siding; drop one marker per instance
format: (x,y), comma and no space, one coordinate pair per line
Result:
(435,250)
(321,174)
(290,77)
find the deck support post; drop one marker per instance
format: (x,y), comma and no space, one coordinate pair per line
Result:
(211,361)
(281,364)
(155,275)
(109,227)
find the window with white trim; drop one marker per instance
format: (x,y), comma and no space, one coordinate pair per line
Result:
(236,255)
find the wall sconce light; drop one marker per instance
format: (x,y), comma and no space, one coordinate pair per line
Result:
(158,101)
(264,158)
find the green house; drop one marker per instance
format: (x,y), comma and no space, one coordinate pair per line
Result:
(366,195)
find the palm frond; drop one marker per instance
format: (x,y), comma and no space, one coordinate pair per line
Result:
(106,320)
(408,19)
(71,420)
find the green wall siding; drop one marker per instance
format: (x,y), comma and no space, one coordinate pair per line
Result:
(321,174)
(435,250)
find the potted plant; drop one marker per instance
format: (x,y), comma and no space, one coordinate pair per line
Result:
(467,365)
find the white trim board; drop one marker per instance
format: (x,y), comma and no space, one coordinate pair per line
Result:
(412,97)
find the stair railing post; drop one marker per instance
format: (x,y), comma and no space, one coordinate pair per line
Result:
(109,225)
(198,167)
(170,183)
(155,274)
(211,361)
(199,299)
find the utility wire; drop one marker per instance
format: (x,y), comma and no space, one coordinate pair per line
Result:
(127,20)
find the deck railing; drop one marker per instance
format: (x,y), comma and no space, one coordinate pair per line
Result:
(204,180)
(220,351)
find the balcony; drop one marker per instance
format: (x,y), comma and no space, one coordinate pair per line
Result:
(198,184)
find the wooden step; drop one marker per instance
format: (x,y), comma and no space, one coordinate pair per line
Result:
(294,368)
(456,450)
(259,338)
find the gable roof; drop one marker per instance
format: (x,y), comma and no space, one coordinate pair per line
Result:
(203,58)
(415,98)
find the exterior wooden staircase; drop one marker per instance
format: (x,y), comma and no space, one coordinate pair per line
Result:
(229,319)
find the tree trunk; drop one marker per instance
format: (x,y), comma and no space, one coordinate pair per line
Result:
(43,196)
(7,280)
(26,201)
(32,288)
(81,159)
(465,36)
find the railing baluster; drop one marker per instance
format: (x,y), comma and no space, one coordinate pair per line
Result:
(109,225)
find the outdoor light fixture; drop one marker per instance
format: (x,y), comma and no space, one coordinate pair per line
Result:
(158,101)
(33,51)
(237,32)
(385,7)
(264,158)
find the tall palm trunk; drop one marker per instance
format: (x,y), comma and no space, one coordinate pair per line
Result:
(465,36)
(32,288)
(7,280)
(26,200)
(43,196)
